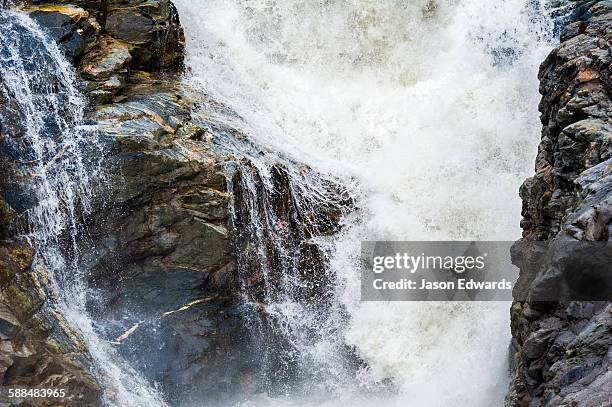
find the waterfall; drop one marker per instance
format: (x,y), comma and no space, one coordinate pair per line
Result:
(46,110)
(44,128)
(428,110)
(364,120)
(284,217)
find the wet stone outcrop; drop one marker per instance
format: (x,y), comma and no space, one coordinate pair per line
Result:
(163,263)
(108,39)
(170,264)
(562,350)
(167,220)
(37,347)
(162,245)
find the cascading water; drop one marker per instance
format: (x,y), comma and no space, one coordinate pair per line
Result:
(431,106)
(423,111)
(283,216)
(60,158)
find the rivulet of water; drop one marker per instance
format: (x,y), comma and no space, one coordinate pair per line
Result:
(60,161)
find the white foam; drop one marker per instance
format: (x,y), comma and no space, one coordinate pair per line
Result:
(432,107)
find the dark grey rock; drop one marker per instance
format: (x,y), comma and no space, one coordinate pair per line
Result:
(71,27)
(561,354)
(130,26)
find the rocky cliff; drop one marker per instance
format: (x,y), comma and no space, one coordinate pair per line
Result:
(561,353)
(168,224)
(37,346)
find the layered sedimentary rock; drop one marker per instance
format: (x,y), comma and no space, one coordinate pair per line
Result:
(561,353)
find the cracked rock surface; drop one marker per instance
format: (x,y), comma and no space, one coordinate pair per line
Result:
(562,350)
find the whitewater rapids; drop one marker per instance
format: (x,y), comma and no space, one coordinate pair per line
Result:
(431,108)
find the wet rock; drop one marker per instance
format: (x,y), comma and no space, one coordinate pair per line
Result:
(568,200)
(163,257)
(7,216)
(111,58)
(18,179)
(37,348)
(153,28)
(114,38)
(70,26)
(161,251)
(130,25)
(106,69)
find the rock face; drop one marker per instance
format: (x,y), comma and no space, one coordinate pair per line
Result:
(163,259)
(110,38)
(189,246)
(161,250)
(37,347)
(169,267)
(562,350)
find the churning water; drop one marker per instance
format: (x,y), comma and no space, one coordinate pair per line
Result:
(44,118)
(425,110)
(428,110)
